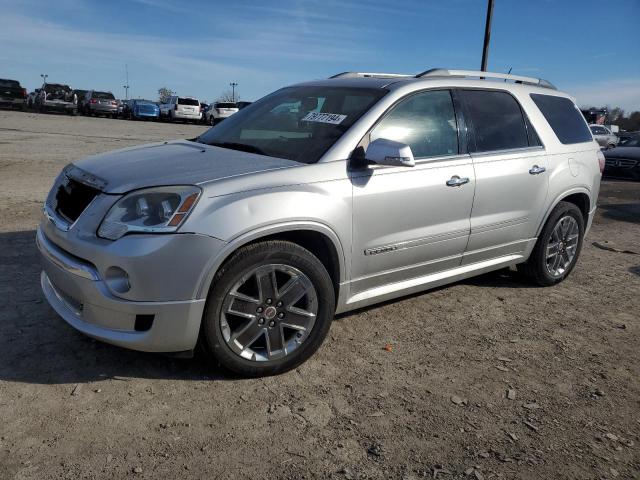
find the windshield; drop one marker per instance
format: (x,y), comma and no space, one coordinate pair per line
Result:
(296,123)
(103,95)
(630,142)
(188,101)
(145,101)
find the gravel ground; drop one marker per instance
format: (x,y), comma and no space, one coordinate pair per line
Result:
(486,378)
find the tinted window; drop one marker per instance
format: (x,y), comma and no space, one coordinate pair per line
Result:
(426,122)
(104,95)
(226,105)
(297,123)
(564,117)
(188,101)
(9,84)
(496,121)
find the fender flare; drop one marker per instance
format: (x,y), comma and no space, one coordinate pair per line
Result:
(247,237)
(558,199)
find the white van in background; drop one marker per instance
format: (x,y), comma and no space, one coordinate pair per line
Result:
(181,108)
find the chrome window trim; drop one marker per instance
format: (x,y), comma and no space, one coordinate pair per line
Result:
(62,260)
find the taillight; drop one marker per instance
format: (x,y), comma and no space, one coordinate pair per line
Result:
(113,102)
(24,93)
(601,161)
(93,100)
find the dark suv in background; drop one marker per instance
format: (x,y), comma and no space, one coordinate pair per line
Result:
(12,94)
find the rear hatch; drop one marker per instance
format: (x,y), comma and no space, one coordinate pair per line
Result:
(187,105)
(225,109)
(104,99)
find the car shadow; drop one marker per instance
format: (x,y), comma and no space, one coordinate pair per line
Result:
(622,212)
(635,270)
(37,346)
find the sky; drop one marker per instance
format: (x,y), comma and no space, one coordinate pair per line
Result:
(588,48)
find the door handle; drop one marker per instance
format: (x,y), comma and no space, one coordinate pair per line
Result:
(457,181)
(536,170)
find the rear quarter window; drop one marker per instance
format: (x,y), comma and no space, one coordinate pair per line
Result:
(564,118)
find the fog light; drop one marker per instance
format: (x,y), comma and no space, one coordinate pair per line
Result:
(117,280)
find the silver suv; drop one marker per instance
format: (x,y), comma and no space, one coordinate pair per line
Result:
(318,199)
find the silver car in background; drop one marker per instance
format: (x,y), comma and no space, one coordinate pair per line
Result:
(320,198)
(605,137)
(100,103)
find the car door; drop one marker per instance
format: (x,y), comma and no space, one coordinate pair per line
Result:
(409,222)
(511,180)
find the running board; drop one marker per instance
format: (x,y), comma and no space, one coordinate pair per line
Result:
(413,285)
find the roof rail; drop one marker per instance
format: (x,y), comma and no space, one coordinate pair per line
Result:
(369,74)
(443,72)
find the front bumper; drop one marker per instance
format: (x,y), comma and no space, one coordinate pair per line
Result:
(79,293)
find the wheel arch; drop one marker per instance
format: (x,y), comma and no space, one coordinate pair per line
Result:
(579,196)
(318,238)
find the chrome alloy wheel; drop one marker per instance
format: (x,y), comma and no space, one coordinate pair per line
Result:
(562,246)
(269,312)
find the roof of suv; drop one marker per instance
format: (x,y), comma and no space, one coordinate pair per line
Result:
(442,76)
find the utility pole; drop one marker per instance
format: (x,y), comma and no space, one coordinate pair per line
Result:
(44,77)
(233,91)
(126,85)
(487,36)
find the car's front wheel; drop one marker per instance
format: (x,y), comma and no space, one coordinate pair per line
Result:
(558,247)
(269,309)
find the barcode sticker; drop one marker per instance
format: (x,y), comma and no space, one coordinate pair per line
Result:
(332,118)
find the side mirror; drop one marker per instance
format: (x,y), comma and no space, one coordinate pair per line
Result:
(390,153)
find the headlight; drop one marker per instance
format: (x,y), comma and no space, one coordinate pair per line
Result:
(152,210)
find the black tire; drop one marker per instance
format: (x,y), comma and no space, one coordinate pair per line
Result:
(245,260)
(536,267)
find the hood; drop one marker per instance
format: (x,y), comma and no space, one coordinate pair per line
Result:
(173,163)
(623,152)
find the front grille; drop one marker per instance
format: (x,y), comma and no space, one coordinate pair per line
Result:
(72,198)
(621,163)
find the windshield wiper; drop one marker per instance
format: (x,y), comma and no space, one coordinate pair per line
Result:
(238,146)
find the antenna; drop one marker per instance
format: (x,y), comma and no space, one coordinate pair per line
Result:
(126,85)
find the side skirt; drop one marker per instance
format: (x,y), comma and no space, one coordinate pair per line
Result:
(426,282)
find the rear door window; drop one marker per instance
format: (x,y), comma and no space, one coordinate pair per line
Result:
(564,118)
(496,120)
(425,121)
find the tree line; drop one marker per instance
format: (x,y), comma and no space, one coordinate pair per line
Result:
(227,96)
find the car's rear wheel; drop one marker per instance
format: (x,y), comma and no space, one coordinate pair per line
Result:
(558,247)
(269,309)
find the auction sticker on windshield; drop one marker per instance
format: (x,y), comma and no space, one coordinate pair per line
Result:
(333,118)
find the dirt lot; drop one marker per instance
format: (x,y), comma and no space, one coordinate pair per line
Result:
(488,378)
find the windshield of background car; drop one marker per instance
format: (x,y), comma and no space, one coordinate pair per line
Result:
(296,123)
(103,95)
(188,101)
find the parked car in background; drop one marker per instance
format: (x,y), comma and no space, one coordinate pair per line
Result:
(605,137)
(624,160)
(12,94)
(321,198)
(181,108)
(57,97)
(204,108)
(243,104)
(221,110)
(140,109)
(100,103)
(31,99)
(80,94)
